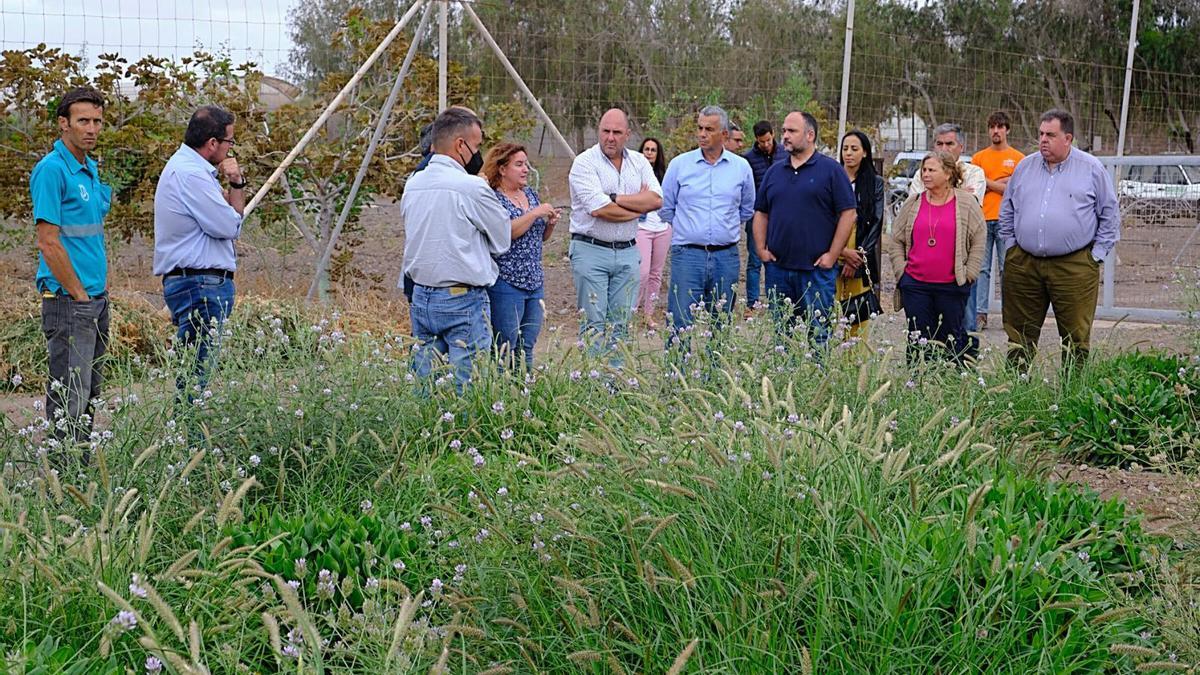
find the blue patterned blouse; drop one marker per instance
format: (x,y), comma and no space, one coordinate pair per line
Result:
(521,266)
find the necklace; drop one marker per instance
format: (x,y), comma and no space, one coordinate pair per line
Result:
(931,222)
(518,198)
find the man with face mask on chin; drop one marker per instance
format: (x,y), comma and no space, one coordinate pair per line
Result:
(453,225)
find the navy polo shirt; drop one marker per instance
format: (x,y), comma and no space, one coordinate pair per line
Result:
(803,206)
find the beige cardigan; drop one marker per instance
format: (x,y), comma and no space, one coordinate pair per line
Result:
(970,236)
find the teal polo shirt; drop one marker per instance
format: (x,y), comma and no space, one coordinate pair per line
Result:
(70,195)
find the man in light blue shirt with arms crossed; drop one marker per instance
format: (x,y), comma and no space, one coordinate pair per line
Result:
(453,225)
(707,194)
(195,225)
(69,207)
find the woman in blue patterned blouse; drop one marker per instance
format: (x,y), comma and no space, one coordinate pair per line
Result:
(517,296)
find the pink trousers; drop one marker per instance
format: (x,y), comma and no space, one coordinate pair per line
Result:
(653,247)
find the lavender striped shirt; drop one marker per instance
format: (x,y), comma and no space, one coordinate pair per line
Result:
(1053,212)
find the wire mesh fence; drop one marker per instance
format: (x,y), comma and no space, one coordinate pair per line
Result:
(912,67)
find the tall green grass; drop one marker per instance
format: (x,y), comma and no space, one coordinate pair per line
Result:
(741,510)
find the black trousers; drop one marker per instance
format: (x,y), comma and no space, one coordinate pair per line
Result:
(935,318)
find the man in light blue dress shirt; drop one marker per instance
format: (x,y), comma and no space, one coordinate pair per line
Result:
(195,224)
(707,194)
(453,226)
(1058,222)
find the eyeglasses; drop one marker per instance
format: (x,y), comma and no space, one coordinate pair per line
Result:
(226,140)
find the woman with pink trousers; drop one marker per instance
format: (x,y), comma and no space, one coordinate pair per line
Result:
(653,241)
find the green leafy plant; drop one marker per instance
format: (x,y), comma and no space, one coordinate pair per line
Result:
(48,657)
(1134,407)
(351,549)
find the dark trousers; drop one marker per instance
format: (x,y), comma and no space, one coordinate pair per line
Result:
(935,318)
(1069,282)
(77,339)
(754,268)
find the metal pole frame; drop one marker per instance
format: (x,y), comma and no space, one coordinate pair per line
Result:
(845,102)
(331,108)
(512,72)
(380,127)
(443,54)
(1110,263)
(385,114)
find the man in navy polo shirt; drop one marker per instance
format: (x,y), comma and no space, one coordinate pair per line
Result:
(69,206)
(804,212)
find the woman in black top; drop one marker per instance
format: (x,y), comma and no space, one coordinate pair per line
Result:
(860,260)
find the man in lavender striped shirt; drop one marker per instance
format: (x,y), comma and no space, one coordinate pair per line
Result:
(1058,222)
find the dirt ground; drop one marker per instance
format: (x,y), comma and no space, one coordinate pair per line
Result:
(1170,502)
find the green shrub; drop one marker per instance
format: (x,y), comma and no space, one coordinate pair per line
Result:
(1134,407)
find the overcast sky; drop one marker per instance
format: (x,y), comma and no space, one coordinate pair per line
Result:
(251,30)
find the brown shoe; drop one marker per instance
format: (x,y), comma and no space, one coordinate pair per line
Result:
(981,321)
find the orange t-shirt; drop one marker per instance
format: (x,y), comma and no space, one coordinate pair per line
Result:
(996,164)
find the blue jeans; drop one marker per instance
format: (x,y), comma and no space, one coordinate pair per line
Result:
(811,294)
(983,296)
(199,306)
(450,322)
(517,316)
(704,278)
(935,314)
(606,283)
(753,267)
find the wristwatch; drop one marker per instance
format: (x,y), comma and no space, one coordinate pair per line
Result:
(237,186)
(613,197)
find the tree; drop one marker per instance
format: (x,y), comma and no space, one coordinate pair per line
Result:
(317,185)
(141,130)
(145,128)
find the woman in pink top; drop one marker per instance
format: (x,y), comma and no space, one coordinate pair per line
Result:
(936,249)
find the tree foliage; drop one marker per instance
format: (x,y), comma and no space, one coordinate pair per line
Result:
(144,126)
(952,60)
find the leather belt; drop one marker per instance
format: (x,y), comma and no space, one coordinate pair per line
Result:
(199,272)
(615,245)
(711,247)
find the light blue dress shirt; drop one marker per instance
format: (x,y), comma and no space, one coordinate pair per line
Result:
(707,203)
(193,224)
(1053,212)
(454,226)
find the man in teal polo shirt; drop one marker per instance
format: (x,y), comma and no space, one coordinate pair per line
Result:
(69,206)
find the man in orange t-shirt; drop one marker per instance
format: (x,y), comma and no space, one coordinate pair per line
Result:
(998,162)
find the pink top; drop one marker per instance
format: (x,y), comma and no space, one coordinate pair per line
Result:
(933,264)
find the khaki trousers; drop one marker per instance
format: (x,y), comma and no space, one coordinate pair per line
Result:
(1069,283)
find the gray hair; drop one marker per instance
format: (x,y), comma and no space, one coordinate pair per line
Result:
(718,112)
(452,123)
(949,128)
